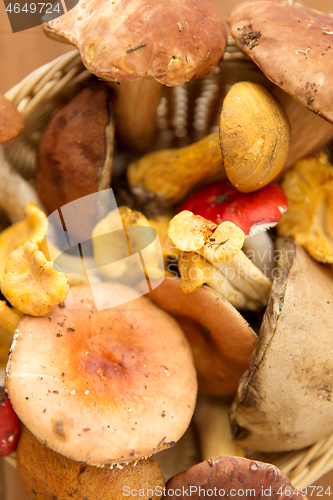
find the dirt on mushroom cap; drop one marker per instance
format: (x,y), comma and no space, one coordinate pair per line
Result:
(169,40)
(103,386)
(291,45)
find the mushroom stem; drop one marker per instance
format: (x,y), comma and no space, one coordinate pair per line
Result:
(135,107)
(211,418)
(260,248)
(15,192)
(170,174)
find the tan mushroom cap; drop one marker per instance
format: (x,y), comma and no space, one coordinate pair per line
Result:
(103,386)
(292,45)
(123,40)
(221,339)
(11,120)
(284,401)
(47,474)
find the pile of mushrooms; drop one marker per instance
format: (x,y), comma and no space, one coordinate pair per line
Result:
(102,378)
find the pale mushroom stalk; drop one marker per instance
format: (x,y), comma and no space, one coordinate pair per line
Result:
(211,418)
(220,245)
(15,192)
(135,106)
(260,249)
(244,275)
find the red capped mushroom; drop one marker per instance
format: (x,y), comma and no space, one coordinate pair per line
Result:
(253,212)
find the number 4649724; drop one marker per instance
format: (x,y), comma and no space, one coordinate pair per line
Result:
(33,7)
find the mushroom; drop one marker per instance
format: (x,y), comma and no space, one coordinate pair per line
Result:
(10,427)
(308,220)
(45,473)
(296,60)
(220,338)
(284,400)
(299,65)
(211,418)
(76,152)
(221,245)
(9,317)
(255,136)
(15,192)
(117,241)
(231,477)
(103,386)
(30,282)
(253,212)
(196,271)
(33,229)
(167,41)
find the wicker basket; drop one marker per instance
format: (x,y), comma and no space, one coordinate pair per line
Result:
(42,92)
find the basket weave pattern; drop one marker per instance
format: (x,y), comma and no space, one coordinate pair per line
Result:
(186,113)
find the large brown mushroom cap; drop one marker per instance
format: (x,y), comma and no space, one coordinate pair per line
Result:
(11,120)
(231,477)
(103,386)
(293,47)
(171,41)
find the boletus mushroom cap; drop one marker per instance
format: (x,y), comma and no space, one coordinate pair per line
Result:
(226,477)
(292,46)
(123,40)
(284,400)
(103,386)
(47,474)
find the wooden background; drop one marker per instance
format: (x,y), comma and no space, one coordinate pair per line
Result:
(21,53)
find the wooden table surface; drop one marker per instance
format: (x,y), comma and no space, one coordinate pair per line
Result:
(21,53)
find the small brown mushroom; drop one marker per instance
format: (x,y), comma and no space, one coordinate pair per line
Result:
(47,474)
(76,152)
(103,386)
(231,477)
(284,399)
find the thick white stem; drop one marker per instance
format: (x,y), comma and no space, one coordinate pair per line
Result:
(260,248)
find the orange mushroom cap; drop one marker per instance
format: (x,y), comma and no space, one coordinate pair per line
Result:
(103,386)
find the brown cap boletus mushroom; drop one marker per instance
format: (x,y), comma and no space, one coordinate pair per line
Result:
(221,339)
(167,41)
(231,477)
(291,44)
(103,386)
(76,149)
(284,399)
(47,474)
